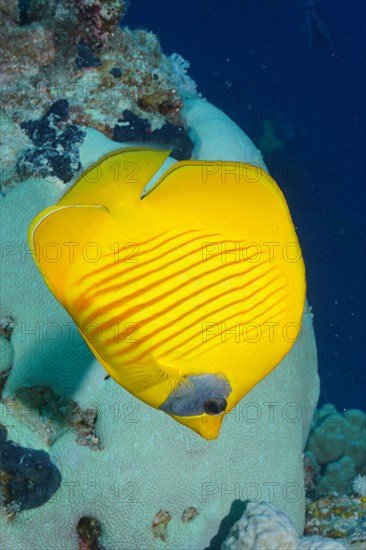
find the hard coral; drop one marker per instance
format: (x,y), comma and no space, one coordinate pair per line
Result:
(25,50)
(337,477)
(148,74)
(340,517)
(37,10)
(97,20)
(263,526)
(338,443)
(99,78)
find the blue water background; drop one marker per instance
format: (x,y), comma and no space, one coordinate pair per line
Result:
(252,59)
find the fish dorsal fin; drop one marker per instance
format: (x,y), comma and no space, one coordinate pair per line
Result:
(60,239)
(117,178)
(227,191)
(222,175)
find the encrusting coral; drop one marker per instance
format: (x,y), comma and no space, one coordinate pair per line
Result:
(98,20)
(264,527)
(339,517)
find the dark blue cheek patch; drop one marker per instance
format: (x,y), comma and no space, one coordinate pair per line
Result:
(190,400)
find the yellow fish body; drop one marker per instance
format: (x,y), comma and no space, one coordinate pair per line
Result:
(189,293)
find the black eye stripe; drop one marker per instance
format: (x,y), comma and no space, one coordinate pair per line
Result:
(206,394)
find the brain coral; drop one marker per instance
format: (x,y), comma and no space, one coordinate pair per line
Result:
(149,465)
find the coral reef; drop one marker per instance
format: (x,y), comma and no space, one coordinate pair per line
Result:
(312,471)
(25,51)
(131,72)
(263,526)
(76,52)
(98,20)
(339,517)
(337,449)
(147,461)
(10,10)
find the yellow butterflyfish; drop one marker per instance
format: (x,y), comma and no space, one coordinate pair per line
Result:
(188,293)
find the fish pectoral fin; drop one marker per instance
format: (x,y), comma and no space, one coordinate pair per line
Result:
(61,240)
(147,373)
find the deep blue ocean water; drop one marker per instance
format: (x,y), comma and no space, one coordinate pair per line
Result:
(254,59)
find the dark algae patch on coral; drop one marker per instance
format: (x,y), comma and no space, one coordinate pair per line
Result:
(28,478)
(132,128)
(56,145)
(89,532)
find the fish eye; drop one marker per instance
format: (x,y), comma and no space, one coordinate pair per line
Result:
(214,406)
